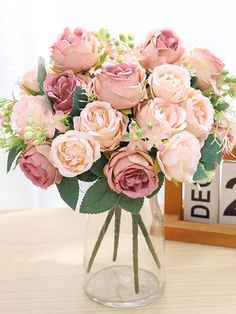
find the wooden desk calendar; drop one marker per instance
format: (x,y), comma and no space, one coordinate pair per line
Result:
(181,230)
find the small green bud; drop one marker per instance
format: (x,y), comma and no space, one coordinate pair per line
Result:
(28,135)
(30,121)
(133,123)
(117,43)
(126,134)
(131,45)
(139,132)
(149,125)
(233,79)
(28,129)
(130,37)
(122,38)
(37,142)
(225,72)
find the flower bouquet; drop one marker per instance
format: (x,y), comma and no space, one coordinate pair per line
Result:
(123,116)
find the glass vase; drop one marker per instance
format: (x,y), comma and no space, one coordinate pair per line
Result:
(124,256)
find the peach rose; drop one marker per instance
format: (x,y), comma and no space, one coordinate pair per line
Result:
(36,165)
(160,119)
(103,122)
(169,82)
(132,173)
(27,107)
(161,46)
(207,67)
(200,113)
(180,157)
(75,50)
(122,85)
(74,152)
(29,82)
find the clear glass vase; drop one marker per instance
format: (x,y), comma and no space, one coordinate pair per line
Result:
(124,256)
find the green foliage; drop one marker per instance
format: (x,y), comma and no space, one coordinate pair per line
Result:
(161,178)
(41,74)
(69,191)
(211,151)
(87,176)
(132,205)
(97,167)
(221,106)
(80,100)
(200,174)
(13,153)
(194,81)
(99,198)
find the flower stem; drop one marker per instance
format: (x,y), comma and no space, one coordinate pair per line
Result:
(117,231)
(148,240)
(100,238)
(135,222)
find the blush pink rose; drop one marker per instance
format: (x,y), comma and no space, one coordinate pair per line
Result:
(106,124)
(122,85)
(75,50)
(206,66)
(131,173)
(28,107)
(36,165)
(200,114)
(160,119)
(169,82)
(74,152)
(60,88)
(160,47)
(180,156)
(29,82)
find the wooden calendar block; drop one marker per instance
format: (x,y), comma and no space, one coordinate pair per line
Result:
(228,193)
(201,204)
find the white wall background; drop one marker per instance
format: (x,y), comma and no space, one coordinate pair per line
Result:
(28,27)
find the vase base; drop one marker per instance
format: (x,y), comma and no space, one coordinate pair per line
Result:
(114,287)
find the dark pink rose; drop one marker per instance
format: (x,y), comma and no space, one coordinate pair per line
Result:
(131,173)
(35,164)
(60,88)
(160,47)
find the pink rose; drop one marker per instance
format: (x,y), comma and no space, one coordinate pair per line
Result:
(60,88)
(169,82)
(225,129)
(29,82)
(28,107)
(75,50)
(36,165)
(161,46)
(74,152)
(122,85)
(200,113)
(103,122)
(207,67)
(160,119)
(132,174)
(180,157)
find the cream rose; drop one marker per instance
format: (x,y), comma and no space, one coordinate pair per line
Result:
(200,113)
(160,119)
(122,85)
(29,82)
(180,156)
(74,152)
(169,82)
(104,123)
(206,66)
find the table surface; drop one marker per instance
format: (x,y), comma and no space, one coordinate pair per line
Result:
(41,254)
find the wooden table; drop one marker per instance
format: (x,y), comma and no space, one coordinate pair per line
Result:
(41,270)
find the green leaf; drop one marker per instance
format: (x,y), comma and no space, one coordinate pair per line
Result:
(132,205)
(87,176)
(80,100)
(41,74)
(208,166)
(200,174)
(194,81)
(69,191)
(97,167)
(211,151)
(161,178)
(99,198)
(221,106)
(13,153)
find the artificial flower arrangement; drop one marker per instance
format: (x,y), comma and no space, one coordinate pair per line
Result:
(122,116)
